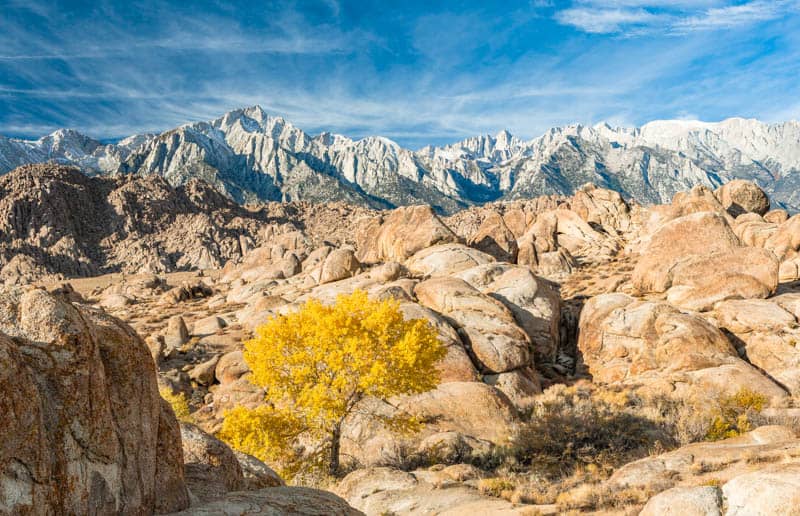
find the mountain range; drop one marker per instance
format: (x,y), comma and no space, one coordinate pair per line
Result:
(250,156)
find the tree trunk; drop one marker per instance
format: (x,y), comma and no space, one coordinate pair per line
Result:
(336,437)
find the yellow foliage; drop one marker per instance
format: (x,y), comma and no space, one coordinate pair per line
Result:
(734,416)
(318,363)
(264,433)
(179,404)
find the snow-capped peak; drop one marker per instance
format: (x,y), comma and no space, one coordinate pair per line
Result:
(266,157)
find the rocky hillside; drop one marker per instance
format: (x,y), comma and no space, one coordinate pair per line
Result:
(56,221)
(249,155)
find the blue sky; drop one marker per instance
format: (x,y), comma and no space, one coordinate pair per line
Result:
(417,72)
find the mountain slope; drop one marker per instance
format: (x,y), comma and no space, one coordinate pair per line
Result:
(249,155)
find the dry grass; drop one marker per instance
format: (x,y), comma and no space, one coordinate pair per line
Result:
(590,427)
(497,487)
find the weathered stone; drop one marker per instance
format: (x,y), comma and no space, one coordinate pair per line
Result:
(257,475)
(338,265)
(739,196)
(685,501)
(774,489)
(767,334)
(212,468)
(176,334)
(456,365)
(776,216)
(693,235)
(115,301)
(231,367)
(208,325)
(743,273)
(203,373)
(495,239)
(446,259)
(520,386)
(486,326)
(276,501)
(603,207)
(534,302)
(84,428)
(622,339)
(400,234)
(695,463)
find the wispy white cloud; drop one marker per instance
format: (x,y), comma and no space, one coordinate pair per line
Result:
(731,16)
(606,21)
(647,17)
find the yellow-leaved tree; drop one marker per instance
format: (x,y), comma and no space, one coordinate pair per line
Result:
(317,364)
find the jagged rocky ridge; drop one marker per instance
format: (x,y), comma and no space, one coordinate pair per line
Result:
(248,155)
(56,221)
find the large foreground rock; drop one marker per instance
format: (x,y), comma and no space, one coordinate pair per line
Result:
(84,429)
(276,501)
(391,491)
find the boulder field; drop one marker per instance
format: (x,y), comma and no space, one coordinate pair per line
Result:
(692,301)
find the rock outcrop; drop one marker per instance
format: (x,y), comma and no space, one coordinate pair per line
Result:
(391,491)
(623,339)
(698,261)
(276,501)
(401,233)
(485,324)
(56,221)
(85,431)
(757,473)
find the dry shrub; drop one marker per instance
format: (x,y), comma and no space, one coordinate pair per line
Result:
(497,487)
(597,496)
(737,414)
(589,427)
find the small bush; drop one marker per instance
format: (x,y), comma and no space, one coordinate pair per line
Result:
(179,403)
(497,487)
(736,414)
